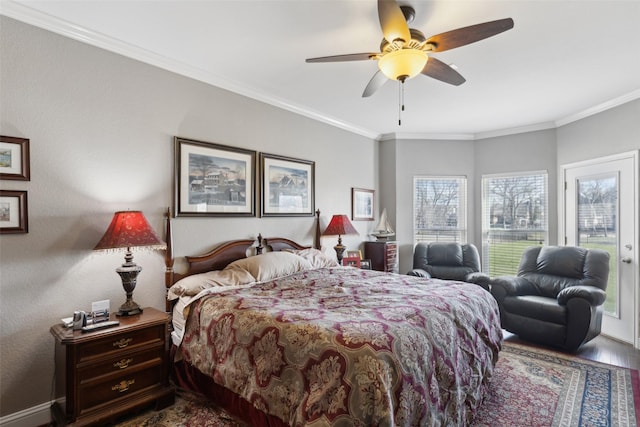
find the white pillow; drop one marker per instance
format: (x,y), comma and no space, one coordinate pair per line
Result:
(316,258)
(192,285)
(271,265)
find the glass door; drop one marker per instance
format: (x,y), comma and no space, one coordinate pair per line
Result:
(601,212)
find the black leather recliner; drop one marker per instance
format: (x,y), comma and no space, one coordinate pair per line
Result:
(556,298)
(448,261)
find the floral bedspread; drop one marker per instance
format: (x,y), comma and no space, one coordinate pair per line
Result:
(344,346)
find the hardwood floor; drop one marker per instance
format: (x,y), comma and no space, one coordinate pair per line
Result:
(600,349)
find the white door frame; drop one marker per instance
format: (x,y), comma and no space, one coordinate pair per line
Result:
(636,238)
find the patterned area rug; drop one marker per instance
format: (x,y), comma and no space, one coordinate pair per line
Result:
(530,387)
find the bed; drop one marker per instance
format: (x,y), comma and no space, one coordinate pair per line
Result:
(278,334)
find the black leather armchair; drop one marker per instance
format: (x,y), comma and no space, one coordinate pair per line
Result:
(556,298)
(448,261)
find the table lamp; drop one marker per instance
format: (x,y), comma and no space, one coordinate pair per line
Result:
(339,225)
(129,229)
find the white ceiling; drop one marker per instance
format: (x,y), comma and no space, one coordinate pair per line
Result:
(563,60)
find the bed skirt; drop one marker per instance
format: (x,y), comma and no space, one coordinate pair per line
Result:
(188,377)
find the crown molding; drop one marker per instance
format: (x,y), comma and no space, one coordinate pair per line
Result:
(429,136)
(631,96)
(516,130)
(23,13)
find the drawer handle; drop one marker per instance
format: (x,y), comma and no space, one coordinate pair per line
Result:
(122,343)
(124,363)
(123,386)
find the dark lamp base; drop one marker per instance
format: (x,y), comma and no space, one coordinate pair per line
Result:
(129,308)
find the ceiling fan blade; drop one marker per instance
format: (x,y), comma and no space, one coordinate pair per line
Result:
(374,84)
(467,35)
(441,71)
(392,21)
(342,58)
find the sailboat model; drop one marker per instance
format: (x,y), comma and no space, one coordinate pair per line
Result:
(383,230)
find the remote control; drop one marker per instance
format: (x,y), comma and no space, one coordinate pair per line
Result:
(100,325)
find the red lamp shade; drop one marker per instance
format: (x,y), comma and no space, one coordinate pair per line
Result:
(339,225)
(129,229)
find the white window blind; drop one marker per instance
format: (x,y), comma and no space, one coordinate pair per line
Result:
(514,216)
(439,209)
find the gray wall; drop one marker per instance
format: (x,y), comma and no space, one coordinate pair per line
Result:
(610,132)
(101,128)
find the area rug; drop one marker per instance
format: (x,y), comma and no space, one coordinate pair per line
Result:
(530,387)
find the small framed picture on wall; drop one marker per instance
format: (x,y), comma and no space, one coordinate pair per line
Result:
(14,158)
(14,218)
(361,204)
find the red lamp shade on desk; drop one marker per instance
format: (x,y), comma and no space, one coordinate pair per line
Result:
(129,229)
(339,225)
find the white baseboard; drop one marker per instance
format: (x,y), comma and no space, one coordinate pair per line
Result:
(31,417)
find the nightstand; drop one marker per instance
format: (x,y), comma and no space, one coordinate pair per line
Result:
(109,372)
(383,255)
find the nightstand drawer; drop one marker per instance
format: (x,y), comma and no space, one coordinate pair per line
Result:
(121,342)
(112,388)
(120,363)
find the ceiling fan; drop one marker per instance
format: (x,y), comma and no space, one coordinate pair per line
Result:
(404,51)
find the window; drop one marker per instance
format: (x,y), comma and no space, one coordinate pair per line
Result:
(514,216)
(439,209)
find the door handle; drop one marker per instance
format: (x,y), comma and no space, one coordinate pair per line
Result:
(626,260)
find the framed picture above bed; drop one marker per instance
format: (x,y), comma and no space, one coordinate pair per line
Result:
(213,179)
(287,186)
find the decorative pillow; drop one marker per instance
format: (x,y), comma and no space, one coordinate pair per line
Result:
(192,285)
(316,258)
(271,265)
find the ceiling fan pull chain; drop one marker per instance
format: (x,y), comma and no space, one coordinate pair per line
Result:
(400,101)
(400,106)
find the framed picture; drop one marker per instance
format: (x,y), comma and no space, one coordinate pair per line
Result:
(365,264)
(14,158)
(361,204)
(14,217)
(213,179)
(351,261)
(288,186)
(354,254)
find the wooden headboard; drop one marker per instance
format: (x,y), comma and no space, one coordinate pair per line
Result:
(225,253)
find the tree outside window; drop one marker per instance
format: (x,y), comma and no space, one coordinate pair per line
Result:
(514,217)
(439,209)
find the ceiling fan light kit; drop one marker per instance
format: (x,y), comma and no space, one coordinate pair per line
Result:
(402,64)
(403,52)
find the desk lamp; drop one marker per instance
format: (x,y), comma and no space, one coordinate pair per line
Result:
(129,229)
(339,225)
